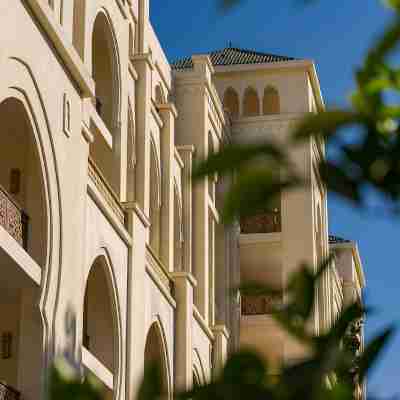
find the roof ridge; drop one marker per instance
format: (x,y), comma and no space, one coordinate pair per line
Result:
(260,53)
(233,56)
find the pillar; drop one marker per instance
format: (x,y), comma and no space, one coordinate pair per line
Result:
(184,284)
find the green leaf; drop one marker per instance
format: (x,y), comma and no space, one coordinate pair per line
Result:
(245,367)
(151,386)
(325,124)
(255,191)
(373,351)
(234,156)
(338,180)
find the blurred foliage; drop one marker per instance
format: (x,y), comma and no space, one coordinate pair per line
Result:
(265,170)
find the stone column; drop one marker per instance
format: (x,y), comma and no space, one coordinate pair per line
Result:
(186,153)
(168,115)
(184,284)
(220,348)
(144,67)
(138,225)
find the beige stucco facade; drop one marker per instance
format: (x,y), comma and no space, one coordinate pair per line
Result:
(110,255)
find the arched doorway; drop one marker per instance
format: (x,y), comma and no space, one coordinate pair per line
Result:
(155,352)
(23,217)
(100,325)
(105,72)
(22,199)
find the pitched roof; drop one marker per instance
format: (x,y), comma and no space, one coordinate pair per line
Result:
(233,56)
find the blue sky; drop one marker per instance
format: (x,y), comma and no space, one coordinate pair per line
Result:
(335,34)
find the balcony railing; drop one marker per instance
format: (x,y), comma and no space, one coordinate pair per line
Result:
(268,222)
(105,189)
(8,393)
(13,219)
(260,305)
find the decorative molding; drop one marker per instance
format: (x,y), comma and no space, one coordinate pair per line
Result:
(65,50)
(67,119)
(203,325)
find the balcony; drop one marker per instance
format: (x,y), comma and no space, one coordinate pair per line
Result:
(8,393)
(269,222)
(260,305)
(13,219)
(106,190)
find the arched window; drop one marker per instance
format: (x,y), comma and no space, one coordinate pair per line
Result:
(155,353)
(251,103)
(271,102)
(231,102)
(104,71)
(155,200)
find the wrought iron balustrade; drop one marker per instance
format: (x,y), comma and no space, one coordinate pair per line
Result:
(13,219)
(8,393)
(268,222)
(260,304)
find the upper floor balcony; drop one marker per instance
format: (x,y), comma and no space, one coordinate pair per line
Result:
(13,219)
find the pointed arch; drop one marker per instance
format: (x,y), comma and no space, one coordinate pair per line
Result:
(156,351)
(271,101)
(101,315)
(20,85)
(231,102)
(106,70)
(251,103)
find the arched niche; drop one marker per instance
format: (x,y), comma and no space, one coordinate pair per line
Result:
(251,103)
(231,102)
(155,200)
(155,352)
(271,101)
(22,195)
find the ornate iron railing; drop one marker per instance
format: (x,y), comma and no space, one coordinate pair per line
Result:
(268,222)
(13,219)
(260,304)
(8,393)
(105,189)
